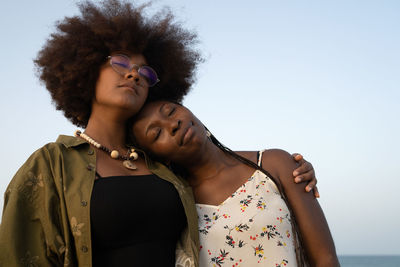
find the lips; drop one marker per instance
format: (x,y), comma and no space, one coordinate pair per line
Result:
(187,133)
(131,86)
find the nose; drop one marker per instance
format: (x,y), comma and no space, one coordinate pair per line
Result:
(132,75)
(175,126)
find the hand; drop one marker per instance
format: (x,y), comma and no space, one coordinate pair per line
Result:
(305,173)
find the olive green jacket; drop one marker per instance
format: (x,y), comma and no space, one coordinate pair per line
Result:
(46,215)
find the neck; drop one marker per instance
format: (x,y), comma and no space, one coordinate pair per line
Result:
(107,131)
(209,164)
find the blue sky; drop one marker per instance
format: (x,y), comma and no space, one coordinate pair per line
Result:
(317,77)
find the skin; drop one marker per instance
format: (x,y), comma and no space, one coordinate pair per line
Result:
(173,134)
(304,172)
(117,98)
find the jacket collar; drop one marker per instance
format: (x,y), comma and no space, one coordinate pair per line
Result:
(70,141)
(154,166)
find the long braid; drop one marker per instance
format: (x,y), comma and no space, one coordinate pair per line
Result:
(299,248)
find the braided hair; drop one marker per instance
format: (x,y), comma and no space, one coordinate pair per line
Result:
(301,256)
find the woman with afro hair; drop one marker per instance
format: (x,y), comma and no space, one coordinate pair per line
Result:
(91,199)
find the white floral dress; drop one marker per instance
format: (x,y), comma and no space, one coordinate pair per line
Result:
(250,228)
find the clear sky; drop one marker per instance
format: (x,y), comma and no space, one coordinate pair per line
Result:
(317,77)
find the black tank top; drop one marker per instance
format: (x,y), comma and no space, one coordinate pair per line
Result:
(135,221)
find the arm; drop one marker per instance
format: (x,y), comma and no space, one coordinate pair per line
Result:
(313,226)
(26,228)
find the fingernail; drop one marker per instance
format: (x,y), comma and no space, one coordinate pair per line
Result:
(308,189)
(297,180)
(295,173)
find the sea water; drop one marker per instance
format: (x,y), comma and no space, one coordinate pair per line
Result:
(369,261)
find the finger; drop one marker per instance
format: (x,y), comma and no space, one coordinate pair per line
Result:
(308,176)
(316,193)
(311,185)
(297,157)
(304,167)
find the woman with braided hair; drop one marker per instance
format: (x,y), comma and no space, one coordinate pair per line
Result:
(250,211)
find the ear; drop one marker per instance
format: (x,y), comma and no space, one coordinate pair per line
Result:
(208,133)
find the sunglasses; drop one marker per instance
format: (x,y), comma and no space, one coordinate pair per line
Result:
(122,64)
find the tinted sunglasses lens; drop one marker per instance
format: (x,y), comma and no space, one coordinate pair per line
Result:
(120,64)
(149,74)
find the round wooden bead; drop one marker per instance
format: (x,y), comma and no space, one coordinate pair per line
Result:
(134,156)
(114,154)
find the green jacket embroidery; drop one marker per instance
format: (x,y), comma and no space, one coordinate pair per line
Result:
(46,214)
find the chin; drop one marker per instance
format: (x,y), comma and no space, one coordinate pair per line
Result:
(134,106)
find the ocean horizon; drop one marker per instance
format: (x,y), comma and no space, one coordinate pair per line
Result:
(369,260)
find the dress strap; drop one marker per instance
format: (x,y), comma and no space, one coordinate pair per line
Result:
(259,158)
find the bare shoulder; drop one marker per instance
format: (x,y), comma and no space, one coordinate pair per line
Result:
(279,163)
(278,155)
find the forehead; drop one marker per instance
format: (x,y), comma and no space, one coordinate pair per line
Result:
(151,108)
(148,112)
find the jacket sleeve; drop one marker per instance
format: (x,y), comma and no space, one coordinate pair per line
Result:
(29,232)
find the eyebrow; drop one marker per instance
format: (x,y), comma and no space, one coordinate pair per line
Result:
(161,107)
(129,55)
(150,126)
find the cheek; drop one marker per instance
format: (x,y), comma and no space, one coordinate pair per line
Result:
(99,91)
(104,82)
(143,96)
(162,149)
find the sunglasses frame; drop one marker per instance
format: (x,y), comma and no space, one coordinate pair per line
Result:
(132,66)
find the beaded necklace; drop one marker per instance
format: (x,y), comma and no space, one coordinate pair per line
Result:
(127,161)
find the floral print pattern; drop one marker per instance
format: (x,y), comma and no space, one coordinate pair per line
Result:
(30,188)
(34,181)
(76,227)
(252,227)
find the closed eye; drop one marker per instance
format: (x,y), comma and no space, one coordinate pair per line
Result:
(121,64)
(158,133)
(172,111)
